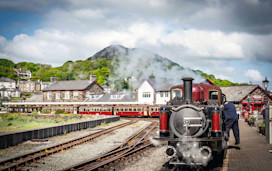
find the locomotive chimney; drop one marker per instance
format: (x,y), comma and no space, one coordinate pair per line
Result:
(187,91)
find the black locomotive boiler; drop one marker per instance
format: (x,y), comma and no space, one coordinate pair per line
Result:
(193,124)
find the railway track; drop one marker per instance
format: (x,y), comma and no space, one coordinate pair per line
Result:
(135,143)
(18,162)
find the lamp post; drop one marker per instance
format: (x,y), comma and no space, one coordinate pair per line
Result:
(265,85)
(267,117)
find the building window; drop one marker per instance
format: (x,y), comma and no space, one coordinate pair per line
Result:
(10,84)
(95,96)
(161,94)
(57,95)
(146,94)
(166,94)
(118,96)
(75,94)
(176,93)
(49,95)
(213,95)
(32,87)
(67,95)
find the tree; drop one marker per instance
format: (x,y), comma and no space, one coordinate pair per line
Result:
(102,75)
(6,69)
(6,63)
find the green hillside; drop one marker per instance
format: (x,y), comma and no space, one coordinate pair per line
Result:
(80,70)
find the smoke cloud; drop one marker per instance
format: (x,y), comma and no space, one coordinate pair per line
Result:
(138,64)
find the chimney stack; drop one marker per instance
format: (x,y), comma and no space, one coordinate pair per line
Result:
(92,78)
(53,79)
(188,82)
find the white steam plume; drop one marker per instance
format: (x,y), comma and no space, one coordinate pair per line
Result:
(137,65)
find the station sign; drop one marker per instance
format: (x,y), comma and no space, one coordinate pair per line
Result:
(257,97)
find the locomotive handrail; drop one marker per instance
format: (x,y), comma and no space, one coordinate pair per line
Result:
(187,106)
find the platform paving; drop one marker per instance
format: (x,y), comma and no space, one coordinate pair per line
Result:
(252,154)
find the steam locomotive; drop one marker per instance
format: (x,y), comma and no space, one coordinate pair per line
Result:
(193,125)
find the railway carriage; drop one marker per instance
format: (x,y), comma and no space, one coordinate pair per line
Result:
(138,110)
(96,110)
(153,111)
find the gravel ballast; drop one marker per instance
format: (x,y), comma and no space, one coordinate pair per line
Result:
(152,159)
(29,146)
(79,153)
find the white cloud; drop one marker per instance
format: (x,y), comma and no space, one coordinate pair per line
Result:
(254,75)
(182,46)
(206,43)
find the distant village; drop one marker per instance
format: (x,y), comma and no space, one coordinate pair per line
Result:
(147,92)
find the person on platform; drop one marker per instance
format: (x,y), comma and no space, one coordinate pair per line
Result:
(231,118)
(263,113)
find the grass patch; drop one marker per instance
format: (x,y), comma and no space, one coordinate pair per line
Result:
(104,124)
(11,122)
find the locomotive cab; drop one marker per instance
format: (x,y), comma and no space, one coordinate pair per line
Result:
(193,129)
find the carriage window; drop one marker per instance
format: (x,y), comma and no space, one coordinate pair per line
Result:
(176,93)
(130,109)
(213,95)
(134,109)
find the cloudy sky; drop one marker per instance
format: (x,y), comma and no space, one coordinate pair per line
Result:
(231,39)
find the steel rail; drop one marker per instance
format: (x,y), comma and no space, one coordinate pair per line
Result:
(118,152)
(24,160)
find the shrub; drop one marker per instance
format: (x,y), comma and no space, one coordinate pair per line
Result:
(59,119)
(59,111)
(262,125)
(251,118)
(45,111)
(34,112)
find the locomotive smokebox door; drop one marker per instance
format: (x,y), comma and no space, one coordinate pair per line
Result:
(188,120)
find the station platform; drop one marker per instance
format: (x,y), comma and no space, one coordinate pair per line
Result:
(252,154)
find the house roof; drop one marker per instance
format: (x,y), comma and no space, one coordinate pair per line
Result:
(124,97)
(3,79)
(207,81)
(162,85)
(35,98)
(22,71)
(70,85)
(8,89)
(237,93)
(25,81)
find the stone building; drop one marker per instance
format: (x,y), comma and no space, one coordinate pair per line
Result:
(247,98)
(23,73)
(29,86)
(72,90)
(8,88)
